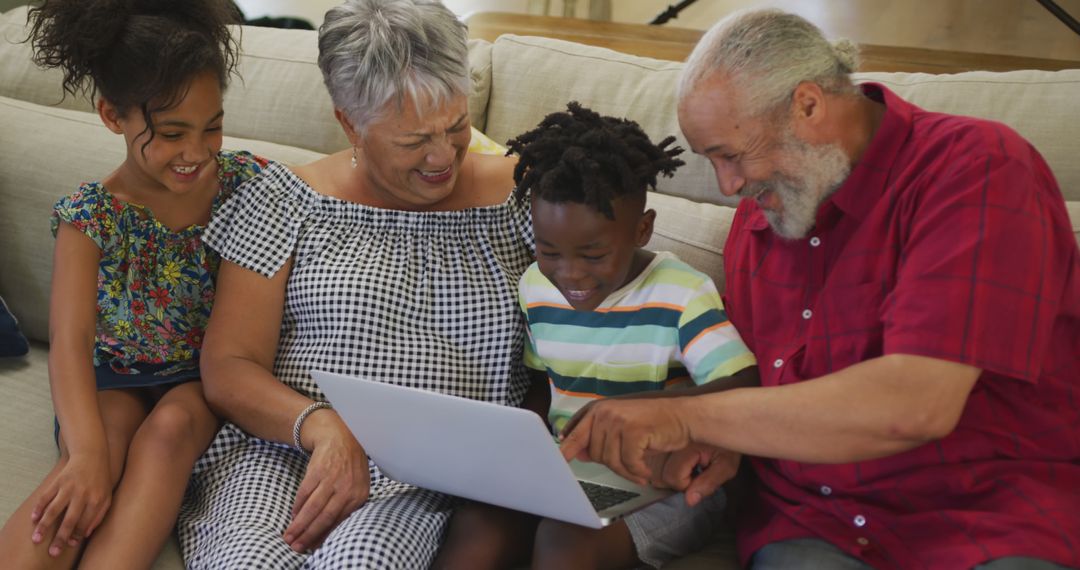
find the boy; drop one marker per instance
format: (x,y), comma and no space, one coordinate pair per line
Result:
(607,317)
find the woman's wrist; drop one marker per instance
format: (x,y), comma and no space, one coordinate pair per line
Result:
(302,418)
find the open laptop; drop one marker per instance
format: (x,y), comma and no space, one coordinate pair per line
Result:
(478,450)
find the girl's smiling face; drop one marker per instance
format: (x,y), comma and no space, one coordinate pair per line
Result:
(586,255)
(181,156)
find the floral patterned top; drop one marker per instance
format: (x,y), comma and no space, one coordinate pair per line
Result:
(155,286)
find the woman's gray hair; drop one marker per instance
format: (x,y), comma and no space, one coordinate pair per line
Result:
(766,54)
(375,51)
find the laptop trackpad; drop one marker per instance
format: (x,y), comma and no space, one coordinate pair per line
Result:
(611,494)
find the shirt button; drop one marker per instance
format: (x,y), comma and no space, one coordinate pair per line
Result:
(862,541)
(815,241)
(860,521)
(806,314)
(778,363)
(826,490)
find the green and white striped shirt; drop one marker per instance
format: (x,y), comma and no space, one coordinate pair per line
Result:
(665,328)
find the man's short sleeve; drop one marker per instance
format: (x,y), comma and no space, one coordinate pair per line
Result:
(983,263)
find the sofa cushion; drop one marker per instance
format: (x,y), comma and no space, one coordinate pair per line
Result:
(606,81)
(22,78)
(694,231)
(480,73)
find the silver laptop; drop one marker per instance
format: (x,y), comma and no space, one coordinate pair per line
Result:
(478,450)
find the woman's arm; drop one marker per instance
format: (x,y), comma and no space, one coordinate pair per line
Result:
(237,364)
(238,354)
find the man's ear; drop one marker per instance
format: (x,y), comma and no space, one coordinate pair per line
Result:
(110,116)
(645,227)
(808,109)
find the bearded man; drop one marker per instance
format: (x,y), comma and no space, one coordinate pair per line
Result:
(910,285)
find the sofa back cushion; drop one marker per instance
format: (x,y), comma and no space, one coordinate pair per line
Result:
(533,76)
(278,97)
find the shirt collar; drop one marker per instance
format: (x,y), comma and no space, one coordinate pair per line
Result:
(866,183)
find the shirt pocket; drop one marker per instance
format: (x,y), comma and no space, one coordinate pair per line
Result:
(846,328)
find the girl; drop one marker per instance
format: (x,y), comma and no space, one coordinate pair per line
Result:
(132,282)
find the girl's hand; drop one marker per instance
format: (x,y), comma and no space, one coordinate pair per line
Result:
(77,498)
(337,481)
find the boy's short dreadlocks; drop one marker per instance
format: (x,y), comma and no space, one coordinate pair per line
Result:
(583,157)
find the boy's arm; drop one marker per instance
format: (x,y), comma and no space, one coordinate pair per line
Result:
(746,378)
(538,397)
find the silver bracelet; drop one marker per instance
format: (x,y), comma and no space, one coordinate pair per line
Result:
(300,422)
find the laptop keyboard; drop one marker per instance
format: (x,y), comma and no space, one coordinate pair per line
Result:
(603,497)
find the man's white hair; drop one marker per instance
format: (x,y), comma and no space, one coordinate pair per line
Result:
(766,54)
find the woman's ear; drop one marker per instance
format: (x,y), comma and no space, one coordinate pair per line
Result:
(110,116)
(347,126)
(645,227)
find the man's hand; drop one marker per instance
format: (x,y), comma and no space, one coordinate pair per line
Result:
(698,470)
(620,433)
(336,483)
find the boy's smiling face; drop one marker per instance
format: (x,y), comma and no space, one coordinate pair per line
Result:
(587,255)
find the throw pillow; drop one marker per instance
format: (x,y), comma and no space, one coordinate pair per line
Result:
(12,342)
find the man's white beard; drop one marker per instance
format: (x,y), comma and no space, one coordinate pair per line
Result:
(807,176)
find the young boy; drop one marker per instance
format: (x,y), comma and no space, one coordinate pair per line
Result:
(608,318)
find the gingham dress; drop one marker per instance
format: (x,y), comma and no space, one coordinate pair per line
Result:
(423,299)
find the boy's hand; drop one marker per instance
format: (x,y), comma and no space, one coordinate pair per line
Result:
(77,498)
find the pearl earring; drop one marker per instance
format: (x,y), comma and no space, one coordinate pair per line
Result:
(353,157)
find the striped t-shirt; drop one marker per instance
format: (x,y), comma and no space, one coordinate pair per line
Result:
(665,328)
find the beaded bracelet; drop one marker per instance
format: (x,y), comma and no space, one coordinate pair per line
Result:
(300,422)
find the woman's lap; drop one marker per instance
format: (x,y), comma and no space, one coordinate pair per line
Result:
(239,503)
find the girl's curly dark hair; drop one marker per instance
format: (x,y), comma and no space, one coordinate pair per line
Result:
(580,156)
(134,53)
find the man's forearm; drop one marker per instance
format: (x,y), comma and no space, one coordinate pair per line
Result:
(874,409)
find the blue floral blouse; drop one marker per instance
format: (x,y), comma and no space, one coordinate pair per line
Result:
(155,286)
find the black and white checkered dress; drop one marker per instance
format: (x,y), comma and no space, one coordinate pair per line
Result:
(423,299)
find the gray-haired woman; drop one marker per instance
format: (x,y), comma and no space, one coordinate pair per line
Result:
(397,260)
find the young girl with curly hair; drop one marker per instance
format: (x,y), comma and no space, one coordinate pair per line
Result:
(132,282)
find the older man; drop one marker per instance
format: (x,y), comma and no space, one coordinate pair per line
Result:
(911,287)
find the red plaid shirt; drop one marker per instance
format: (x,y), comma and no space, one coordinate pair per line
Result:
(950,240)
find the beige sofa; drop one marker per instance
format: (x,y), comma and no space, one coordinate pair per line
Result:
(281,110)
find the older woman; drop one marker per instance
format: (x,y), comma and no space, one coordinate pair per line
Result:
(396,259)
